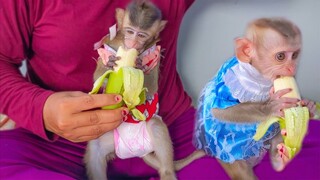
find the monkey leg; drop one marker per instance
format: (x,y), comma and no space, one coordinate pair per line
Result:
(151,160)
(238,170)
(98,153)
(163,150)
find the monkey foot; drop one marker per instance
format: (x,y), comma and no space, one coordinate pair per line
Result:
(281,159)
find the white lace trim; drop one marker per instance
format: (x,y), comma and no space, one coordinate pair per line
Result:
(247,84)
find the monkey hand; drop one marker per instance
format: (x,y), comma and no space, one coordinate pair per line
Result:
(312,106)
(77,116)
(139,64)
(276,103)
(112,62)
(108,57)
(149,59)
(292,117)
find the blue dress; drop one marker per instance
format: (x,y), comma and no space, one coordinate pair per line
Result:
(235,82)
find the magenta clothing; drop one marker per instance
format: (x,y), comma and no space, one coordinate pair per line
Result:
(57,38)
(37,159)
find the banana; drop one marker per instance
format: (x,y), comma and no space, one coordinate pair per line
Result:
(295,121)
(126,81)
(317,114)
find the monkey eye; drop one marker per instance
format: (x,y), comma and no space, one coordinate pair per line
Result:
(129,31)
(280,56)
(295,55)
(142,36)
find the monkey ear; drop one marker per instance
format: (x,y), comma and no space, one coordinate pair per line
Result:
(162,24)
(120,16)
(244,49)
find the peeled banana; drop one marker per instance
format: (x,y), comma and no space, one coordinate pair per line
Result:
(317,115)
(126,81)
(295,119)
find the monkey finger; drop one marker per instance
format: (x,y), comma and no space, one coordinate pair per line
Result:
(283,132)
(288,105)
(144,68)
(114,58)
(111,64)
(282,92)
(141,67)
(271,92)
(139,61)
(286,100)
(279,113)
(311,105)
(282,151)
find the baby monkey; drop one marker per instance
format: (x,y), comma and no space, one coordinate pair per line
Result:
(139,27)
(241,95)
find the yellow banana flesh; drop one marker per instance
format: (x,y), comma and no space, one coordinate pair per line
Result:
(295,121)
(317,115)
(126,81)
(296,124)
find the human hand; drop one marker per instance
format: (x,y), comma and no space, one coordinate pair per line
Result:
(276,103)
(77,116)
(311,105)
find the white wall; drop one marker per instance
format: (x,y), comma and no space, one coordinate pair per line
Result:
(209,27)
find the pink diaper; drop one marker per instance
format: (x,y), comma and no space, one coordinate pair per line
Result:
(132,140)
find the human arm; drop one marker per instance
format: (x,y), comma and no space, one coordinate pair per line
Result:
(72,115)
(23,99)
(20,100)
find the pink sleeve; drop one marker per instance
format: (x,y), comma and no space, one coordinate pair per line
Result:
(21,100)
(105,52)
(150,58)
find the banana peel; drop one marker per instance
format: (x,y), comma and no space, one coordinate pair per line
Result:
(295,120)
(126,81)
(317,115)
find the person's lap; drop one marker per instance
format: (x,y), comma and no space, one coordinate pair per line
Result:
(24,155)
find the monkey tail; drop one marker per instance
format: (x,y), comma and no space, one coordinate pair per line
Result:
(152,160)
(179,164)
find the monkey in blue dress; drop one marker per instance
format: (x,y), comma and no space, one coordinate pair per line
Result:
(241,95)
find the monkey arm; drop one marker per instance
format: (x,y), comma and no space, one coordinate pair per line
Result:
(100,69)
(149,59)
(244,112)
(151,80)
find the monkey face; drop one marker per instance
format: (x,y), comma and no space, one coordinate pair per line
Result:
(135,38)
(277,56)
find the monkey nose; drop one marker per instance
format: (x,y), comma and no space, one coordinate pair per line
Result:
(292,71)
(131,44)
